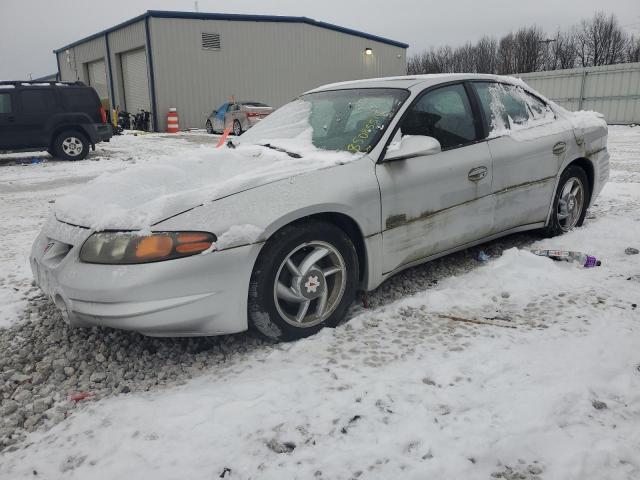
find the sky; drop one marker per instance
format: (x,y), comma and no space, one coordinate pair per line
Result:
(31,29)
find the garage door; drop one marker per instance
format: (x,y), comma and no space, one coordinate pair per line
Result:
(98,79)
(135,80)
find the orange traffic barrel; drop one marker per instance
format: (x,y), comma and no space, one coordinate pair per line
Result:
(172,121)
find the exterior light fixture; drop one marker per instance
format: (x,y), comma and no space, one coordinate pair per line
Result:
(368,51)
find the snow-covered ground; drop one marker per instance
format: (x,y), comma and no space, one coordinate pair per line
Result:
(515,368)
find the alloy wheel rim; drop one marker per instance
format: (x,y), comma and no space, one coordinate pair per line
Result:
(209,127)
(72,146)
(236,129)
(309,284)
(570,204)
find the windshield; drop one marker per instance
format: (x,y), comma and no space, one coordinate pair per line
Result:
(342,120)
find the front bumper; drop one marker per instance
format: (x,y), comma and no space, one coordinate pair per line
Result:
(198,295)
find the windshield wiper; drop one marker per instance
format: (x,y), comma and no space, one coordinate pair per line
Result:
(278,149)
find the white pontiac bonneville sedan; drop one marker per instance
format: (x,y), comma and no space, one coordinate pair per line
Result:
(331,194)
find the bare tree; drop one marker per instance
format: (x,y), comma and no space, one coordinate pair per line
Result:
(506,55)
(633,50)
(486,51)
(529,49)
(601,41)
(463,59)
(596,41)
(563,51)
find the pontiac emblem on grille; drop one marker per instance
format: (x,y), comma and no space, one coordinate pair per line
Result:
(48,247)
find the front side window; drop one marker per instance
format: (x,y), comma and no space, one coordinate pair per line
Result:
(351,120)
(37,101)
(510,107)
(5,103)
(444,114)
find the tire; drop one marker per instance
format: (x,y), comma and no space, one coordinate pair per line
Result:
(570,202)
(237,128)
(272,311)
(71,145)
(209,128)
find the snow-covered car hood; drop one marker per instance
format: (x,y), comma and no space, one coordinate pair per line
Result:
(138,197)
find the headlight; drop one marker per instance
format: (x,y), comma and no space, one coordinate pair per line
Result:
(123,248)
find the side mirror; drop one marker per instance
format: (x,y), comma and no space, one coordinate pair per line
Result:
(412,146)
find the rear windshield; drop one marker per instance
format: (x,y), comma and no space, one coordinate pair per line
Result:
(80,98)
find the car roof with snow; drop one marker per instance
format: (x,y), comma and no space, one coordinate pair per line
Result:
(408,81)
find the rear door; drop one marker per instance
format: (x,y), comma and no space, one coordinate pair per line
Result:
(8,124)
(527,144)
(233,113)
(38,106)
(434,203)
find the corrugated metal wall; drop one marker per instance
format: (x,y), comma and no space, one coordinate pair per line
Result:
(613,90)
(73,64)
(261,61)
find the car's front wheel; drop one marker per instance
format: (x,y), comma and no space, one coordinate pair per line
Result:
(570,202)
(71,145)
(304,280)
(209,127)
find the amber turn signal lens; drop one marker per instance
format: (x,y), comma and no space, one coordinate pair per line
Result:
(193,247)
(155,246)
(192,237)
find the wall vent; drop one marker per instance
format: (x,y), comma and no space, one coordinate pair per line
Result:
(210,41)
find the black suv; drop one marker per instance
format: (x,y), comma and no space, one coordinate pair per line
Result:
(65,118)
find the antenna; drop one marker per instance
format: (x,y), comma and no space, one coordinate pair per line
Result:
(196,6)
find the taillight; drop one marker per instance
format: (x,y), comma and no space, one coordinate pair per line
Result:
(103,114)
(254,114)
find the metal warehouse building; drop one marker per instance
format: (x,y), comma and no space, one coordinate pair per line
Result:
(197,61)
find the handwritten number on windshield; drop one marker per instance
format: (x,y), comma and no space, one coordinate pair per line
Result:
(374,123)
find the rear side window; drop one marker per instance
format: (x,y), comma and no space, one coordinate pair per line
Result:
(5,103)
(80,98)
(37,101)
(444,114)
(509,107)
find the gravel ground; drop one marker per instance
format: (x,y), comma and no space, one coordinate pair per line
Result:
(45,363)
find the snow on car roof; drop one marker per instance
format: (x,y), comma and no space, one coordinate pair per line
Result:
(408,81)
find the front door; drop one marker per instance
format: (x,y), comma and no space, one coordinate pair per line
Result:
(433,203)
(218,120)
(527,144)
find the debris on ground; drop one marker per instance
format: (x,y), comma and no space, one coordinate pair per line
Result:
(598,405)
(587,261)
(483,256)
(631,251)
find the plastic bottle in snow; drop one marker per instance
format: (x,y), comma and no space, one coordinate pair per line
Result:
(587,261)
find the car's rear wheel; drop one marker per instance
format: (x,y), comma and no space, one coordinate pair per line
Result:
(209,127)
(570,202)
(71,145)
(304,280)
(237,128)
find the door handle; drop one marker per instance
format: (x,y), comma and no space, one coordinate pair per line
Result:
(477,174)
(559,148)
